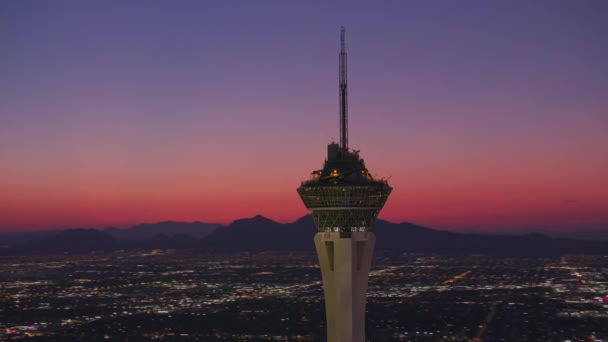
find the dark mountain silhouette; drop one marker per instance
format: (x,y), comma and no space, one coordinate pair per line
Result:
(259,233)
(169,228)
(262,234)
(585,235)
(78,241)
(14,238)
(73,241)
(167,234)
(407,237)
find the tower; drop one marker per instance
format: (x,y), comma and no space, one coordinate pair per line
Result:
(345,200)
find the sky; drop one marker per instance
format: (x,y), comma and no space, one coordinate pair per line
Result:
(487,116)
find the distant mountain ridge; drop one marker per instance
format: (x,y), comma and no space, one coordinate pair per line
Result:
(169,228)
(262,234)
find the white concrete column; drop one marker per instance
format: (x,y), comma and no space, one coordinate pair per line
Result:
(345,264)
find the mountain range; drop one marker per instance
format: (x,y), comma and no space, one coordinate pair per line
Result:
(262,234)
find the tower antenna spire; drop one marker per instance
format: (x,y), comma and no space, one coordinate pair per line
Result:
(343,93)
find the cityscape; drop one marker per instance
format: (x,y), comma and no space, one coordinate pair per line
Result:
(172,295)
(175,171)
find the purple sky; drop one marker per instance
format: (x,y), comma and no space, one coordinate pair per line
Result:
(486,115)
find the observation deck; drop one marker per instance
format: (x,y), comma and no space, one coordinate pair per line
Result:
(343,196)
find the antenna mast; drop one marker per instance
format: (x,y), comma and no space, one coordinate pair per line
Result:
(343,94)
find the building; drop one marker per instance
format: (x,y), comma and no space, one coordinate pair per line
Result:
(345,200)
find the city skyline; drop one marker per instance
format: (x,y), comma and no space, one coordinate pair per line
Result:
(485,116)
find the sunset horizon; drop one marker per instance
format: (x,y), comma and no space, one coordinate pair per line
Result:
(120,115)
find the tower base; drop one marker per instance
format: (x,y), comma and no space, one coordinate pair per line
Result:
(345,260)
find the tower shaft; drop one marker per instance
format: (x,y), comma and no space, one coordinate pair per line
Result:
(343,94)
(345,264)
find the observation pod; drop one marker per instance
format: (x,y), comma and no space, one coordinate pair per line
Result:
(343,196)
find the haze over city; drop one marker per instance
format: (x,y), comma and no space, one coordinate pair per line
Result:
(489,117)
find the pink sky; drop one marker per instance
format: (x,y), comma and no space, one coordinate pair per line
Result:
(205,112)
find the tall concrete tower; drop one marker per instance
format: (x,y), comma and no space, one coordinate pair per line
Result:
(345,200)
